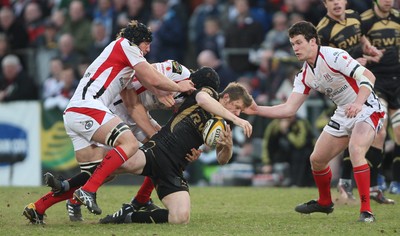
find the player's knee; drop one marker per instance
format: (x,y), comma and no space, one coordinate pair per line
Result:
(180,216)
(316,162)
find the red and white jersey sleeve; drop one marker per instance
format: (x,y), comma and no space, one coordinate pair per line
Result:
(173,71)
(105,78)
(332,76)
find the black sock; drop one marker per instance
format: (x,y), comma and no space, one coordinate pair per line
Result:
(374,157)
(347,168)
(396,164)
(78,180)
(157,216)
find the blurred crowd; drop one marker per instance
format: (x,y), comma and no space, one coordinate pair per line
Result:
(46,46)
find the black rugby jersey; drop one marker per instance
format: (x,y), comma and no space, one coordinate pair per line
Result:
(184,129)
(345,34)
(383,34)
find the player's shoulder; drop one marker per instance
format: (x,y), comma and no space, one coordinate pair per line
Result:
(331,54)
(323,23)
(367,15)
(395,12)
(352,15)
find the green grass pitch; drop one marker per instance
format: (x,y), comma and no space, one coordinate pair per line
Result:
(215,211)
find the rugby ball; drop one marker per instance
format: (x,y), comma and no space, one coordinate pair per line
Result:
(212,130)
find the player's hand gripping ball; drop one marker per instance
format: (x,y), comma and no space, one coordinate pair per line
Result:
(212,130)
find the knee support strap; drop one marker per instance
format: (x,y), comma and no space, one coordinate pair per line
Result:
(395,118)
(89,167)
(114,134)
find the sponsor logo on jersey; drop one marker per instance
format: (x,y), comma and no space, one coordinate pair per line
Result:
(176,67)
(332,93)
(88,124)
(337,56)
(328,78)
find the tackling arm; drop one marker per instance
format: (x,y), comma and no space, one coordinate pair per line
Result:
(153,79)
(137,112)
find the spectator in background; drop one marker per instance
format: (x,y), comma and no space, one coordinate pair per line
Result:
(52,85)
(209,59)
(47,40)
(100,39)
(207,9)
(214,38)
(78,26)
(66,50)
(58,18)
(243,33)
(15,84)
(256,11)
(67,84)
(33,22)
(277,40)
(286,146)
(169,35)
(104,14)
(311,10)
(130,9)
(16,33)
(138,10)
(4,48)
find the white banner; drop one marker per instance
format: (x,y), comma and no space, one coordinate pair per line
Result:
(20,162)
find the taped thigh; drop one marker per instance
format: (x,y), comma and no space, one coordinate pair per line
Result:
(115,133)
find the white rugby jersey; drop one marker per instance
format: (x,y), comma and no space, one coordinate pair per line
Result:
(105,78)
(172,70)
(332,76)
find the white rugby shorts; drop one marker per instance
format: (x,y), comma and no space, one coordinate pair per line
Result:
(339,125)
(82,119)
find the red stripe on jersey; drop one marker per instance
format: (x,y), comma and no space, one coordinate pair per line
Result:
(117,60)
(96,114)
(352,83)
(349,79)
(307,89)
(375,117)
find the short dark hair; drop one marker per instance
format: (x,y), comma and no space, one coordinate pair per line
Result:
(305,28)
(136,32)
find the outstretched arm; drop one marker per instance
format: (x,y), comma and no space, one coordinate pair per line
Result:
(284,110)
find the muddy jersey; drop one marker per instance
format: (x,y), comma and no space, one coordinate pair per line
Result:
(383,34)
(172,70)
(105,78)
(183,131)
(344,34)
(332,76)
